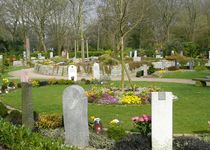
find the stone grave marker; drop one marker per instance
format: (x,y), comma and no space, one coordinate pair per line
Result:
(136,58)
(51,54)
(72,73)
(145,70)
(67,55)
(63,54)
(162,130)
(39,55)
(131,54)
(96,71)
(75,111)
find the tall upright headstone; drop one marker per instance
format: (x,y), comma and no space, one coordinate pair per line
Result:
(75,111)
(51,54)
(209,55)
(72,73)
(2,63)
(67,55)
(145,70)
(131,54)
(96,71)
(162,121)
(135,53)
(136,58)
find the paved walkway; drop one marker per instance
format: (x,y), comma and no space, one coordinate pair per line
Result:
(17,74)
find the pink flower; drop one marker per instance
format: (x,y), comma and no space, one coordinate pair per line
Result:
(208,122)
(141,119)
(135,118)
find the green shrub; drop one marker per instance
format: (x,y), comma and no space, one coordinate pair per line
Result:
(172,68)
(140,73)
(151,69)
(20,138)
(65,82)
(15,117)
(50,121)
(3,110)
(116,132)
(200,68)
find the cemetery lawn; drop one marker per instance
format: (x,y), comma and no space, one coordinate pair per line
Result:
(182,74)
(191,110)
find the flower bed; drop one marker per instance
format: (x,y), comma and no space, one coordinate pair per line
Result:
(115,96)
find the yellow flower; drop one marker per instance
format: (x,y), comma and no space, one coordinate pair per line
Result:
(92,117)
(115,121)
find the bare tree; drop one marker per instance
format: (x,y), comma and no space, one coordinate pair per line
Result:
(125,16)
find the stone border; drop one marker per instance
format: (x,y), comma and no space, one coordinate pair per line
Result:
(52,70)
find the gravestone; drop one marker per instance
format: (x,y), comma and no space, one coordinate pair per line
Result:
(39,55)
(145,70)
(75,111)
(51,54)
(72,73)
(162,131)
(172,52)
(67,55)
(1,63)
(131,54)
(96,71)
(63,54)
(136,58)
(135,54)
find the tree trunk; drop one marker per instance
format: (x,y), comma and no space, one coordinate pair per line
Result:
(122,64)
(27,106)
(98,39)
(28,52)
(87,48)
(75,48)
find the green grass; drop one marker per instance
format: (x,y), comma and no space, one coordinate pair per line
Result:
(186,74)
(191,110)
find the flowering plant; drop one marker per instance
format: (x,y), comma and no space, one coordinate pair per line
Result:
(142,124)
(5,81)
(126,99)
(108,99)
(114,122)
(115,130)
(209,123)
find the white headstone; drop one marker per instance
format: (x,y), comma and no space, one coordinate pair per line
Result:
(96,71)
(1,57)
(145,70)
(24,54)
(75,112)
(209,54)
(131,54)
(39,55)
(72,73)
(67,55)
(162,110)
(172,52)
(135,53)
(63,54)
(51,54)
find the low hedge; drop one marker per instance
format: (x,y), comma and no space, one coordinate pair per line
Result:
(21,138)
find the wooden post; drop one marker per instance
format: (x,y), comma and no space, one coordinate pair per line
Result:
(27,105)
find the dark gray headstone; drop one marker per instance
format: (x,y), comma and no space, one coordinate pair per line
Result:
(75,111)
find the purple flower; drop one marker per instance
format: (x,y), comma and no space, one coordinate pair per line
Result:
(108,99)
(208,122)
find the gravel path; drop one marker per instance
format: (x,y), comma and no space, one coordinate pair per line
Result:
(33,75)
